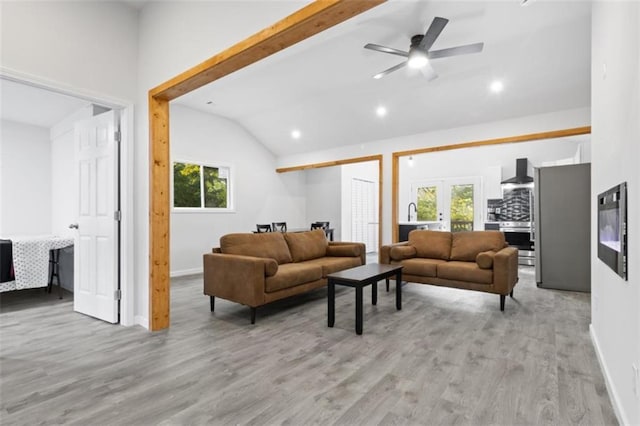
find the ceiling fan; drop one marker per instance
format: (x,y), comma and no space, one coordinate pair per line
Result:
(419,54)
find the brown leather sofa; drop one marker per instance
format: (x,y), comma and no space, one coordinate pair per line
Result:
(474,260)
(255,269)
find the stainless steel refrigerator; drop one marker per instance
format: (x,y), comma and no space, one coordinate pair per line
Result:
(562,227)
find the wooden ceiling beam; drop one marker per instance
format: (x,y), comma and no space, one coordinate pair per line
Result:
(308,21)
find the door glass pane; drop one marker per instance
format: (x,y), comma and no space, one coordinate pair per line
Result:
(215,187)
(461,208)
(186,185)
(428,203)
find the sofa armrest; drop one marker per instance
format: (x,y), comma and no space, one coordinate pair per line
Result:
(237,278)
(360,248)
(384,256)
(505,270)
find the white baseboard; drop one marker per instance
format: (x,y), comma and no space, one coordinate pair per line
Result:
(185,272)
(142,321)
(613,395)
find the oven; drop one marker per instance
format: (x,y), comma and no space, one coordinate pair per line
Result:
(520,235)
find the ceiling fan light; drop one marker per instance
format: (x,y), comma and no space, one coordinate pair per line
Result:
(417,59)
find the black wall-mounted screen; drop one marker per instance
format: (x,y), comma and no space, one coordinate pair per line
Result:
(612,228)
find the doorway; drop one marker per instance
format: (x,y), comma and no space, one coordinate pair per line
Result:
(364,221)
(452,204)
(71,107)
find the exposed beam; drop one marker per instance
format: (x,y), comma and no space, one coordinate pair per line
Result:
(308,21)
(159,226)
(498,141)
(330,163)
(395,161)
(377,158)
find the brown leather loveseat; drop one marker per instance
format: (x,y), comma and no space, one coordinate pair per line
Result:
(473,260)
(255,269)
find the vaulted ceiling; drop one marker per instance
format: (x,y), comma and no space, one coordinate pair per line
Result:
(324,88)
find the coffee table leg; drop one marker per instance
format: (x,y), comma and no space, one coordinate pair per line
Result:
(374,293)
(331,303)
(399,290)
(358,309)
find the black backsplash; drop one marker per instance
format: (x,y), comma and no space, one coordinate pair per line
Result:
(514,207)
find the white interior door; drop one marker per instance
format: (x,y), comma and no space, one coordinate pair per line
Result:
(96,239)
(364,224)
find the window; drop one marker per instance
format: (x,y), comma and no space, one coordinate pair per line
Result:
(452,202)
(200,186)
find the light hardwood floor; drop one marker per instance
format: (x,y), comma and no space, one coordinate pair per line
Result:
(449,357)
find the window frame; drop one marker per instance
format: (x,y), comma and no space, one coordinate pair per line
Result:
(202,209)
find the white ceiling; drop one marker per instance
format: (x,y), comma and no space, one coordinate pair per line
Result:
(323,86)
(31,105)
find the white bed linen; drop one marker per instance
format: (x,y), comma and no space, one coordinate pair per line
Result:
(31,260)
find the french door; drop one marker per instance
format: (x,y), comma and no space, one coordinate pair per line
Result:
(451,204)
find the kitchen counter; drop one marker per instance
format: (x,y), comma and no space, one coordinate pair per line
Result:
(405,227)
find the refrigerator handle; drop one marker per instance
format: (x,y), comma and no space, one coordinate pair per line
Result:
(532,236)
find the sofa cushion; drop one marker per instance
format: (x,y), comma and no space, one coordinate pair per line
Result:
(485,259)
(431,244)
(344,250)
(268,244)
(307,245)
(330,265)
(465,246)
(291,275)
(402,252)
(465,271)
(421,267)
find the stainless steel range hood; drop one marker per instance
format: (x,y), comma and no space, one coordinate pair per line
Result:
(521,173)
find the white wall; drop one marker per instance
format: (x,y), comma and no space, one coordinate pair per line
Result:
(525,125)
(90,46)
(323,188)
(615,91)
(174,36)
(491,163)
(261,195)
(26,180)
(82,48)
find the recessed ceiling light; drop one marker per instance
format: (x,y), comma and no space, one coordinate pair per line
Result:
(296,134)
(496,86)
(381,111)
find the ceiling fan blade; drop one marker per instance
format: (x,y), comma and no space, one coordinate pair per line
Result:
(454,51)
(390,70)
(436,27)
(428,72)
(385,49)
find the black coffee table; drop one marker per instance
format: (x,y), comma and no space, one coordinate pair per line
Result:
(359,277)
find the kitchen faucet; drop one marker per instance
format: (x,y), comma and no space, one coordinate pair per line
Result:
(415,208)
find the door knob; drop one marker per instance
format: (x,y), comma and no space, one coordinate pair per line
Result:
(73,226)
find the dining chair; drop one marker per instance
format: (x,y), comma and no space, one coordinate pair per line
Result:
(263,228)
(279,226)
(320,225)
